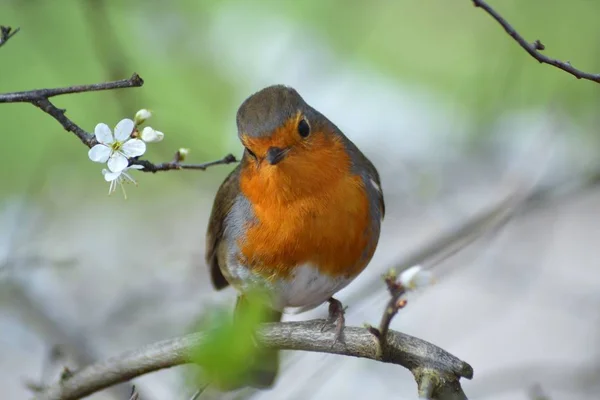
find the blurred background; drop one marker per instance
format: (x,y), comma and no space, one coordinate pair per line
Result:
(488,160)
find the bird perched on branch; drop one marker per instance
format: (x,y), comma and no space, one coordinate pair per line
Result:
(299,217)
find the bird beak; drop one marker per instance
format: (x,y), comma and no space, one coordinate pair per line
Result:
(275,155)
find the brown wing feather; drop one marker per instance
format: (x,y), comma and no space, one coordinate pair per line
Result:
(216,226)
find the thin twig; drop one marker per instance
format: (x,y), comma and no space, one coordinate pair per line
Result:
(395,303)
(6,32)
(59,114)
(410,352)
(134,394)
(534,49)
(40,99)
(174,165)
(198,392)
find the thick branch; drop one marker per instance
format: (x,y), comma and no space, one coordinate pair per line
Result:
(439,370)
(534,48)
(6,32)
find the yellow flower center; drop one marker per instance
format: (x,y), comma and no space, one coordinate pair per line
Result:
(116,146)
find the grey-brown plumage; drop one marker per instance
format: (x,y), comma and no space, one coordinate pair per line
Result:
(264,111)
(224,200)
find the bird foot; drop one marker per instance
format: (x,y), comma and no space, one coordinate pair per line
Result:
(336,316)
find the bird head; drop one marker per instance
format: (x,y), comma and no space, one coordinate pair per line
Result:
(287,140)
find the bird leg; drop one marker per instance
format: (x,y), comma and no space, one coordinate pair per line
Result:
(336,316)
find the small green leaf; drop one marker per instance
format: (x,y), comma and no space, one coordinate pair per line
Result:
(229,350)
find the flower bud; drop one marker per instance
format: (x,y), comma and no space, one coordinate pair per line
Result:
(182,153)
(150,135)
(416,277)
(141,116)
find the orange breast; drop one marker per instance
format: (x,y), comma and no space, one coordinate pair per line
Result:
(308,209)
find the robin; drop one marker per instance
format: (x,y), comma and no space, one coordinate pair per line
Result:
(299,216)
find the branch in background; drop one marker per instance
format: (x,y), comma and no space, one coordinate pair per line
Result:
(6,32)
(40,98)
(537,393)
(430,365)
(73,344)
(448,242)
(534,49)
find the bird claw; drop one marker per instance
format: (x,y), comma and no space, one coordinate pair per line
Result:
(336,316)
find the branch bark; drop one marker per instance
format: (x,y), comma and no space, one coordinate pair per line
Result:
(534,49)
(434,369)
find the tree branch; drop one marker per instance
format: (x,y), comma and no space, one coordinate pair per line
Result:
(431,366)
(176,164)
(534,48)
(6,32)
(40,98)
(34,95)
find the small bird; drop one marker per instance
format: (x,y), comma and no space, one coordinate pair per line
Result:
(299,217)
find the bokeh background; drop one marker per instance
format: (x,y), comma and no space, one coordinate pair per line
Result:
(454,114)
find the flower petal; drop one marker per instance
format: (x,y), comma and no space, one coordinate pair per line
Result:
(103,134)
(99,153)
(124,129)
(136,166)
(110,176)
(117,162)
(133,148)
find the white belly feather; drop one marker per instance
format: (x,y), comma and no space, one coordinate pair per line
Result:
(306,288)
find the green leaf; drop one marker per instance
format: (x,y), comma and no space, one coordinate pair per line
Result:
(230,350)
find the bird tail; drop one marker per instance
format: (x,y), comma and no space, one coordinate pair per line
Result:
(263,369)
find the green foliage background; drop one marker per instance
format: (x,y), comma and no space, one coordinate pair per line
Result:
(448,46)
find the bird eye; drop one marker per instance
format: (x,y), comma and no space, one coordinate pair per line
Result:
(303,128)
(251,153)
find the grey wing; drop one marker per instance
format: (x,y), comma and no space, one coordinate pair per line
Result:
(365,168)
(375,184)
(216,226)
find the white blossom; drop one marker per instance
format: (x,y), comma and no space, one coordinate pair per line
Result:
(150,135)
(416,277)
(117,148)
(119,178)
(142,115)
